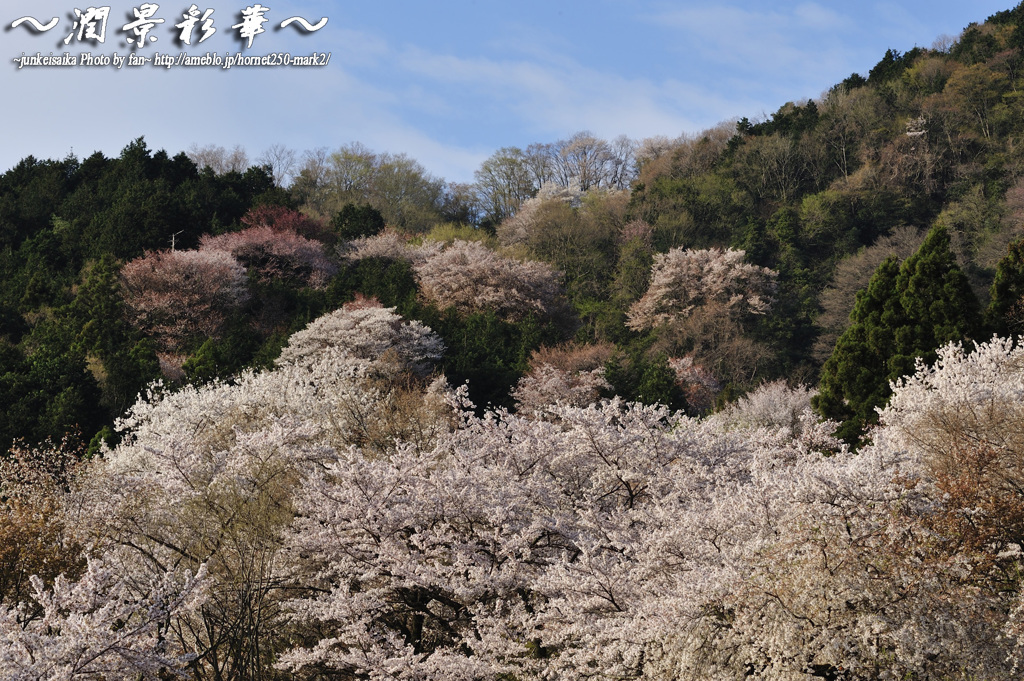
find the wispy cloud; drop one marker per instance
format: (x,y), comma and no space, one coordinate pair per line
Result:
(564,95)
(763,49)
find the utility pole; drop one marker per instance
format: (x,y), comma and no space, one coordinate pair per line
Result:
(173,237)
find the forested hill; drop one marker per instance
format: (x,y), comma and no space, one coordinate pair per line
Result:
(614,258)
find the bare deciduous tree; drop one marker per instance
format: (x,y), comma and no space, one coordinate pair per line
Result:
(283,163)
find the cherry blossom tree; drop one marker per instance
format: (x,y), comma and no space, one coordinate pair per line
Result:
(700,303)
(431,560)
(283,219)
(570,374)
(518,228)
(64,612)
(367,330)
(773,405)
(388,244)
(205,476)
(35,539)
(610,540)
(105,625)
(472,278)
(699,386)
(683,280)
(176,296)
(624,541)
(275,253)
(964,418)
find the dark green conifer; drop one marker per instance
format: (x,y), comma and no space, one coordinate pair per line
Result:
(1005,314)
(905,313)
(937,301)
(854,379)
(353,222)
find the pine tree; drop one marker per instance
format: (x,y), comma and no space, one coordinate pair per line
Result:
(905,313)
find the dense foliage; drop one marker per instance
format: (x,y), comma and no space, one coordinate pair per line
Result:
(312,521)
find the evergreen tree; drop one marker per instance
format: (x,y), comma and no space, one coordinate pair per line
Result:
(854,379)
(905,313)
(353,222)
(937,301)
(1005,312)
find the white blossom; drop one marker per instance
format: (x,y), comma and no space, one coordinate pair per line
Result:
(105,625)
(368,331)
(472,278)
(684,279)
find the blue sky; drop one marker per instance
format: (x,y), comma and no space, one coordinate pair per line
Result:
(448,83)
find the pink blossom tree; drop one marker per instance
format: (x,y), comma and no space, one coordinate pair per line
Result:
(177,296)
(470,277)
(281,219)
(275,253)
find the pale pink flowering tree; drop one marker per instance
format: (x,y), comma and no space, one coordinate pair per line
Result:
(699,386)
(64,612)
(756,555)
(367,330)
(389,244)
(428,556)
(570,374)
(547,385)
(206,476)
(283,219)
(105,625)
(965,399)
(773,405)
(812,565)
(176,296)
(472,278)
(518,228)
(623,541)
(683,280)
(614,540)
(963,417)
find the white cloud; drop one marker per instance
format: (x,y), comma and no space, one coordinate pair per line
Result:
(762,46)
(567,96)
(813,15)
